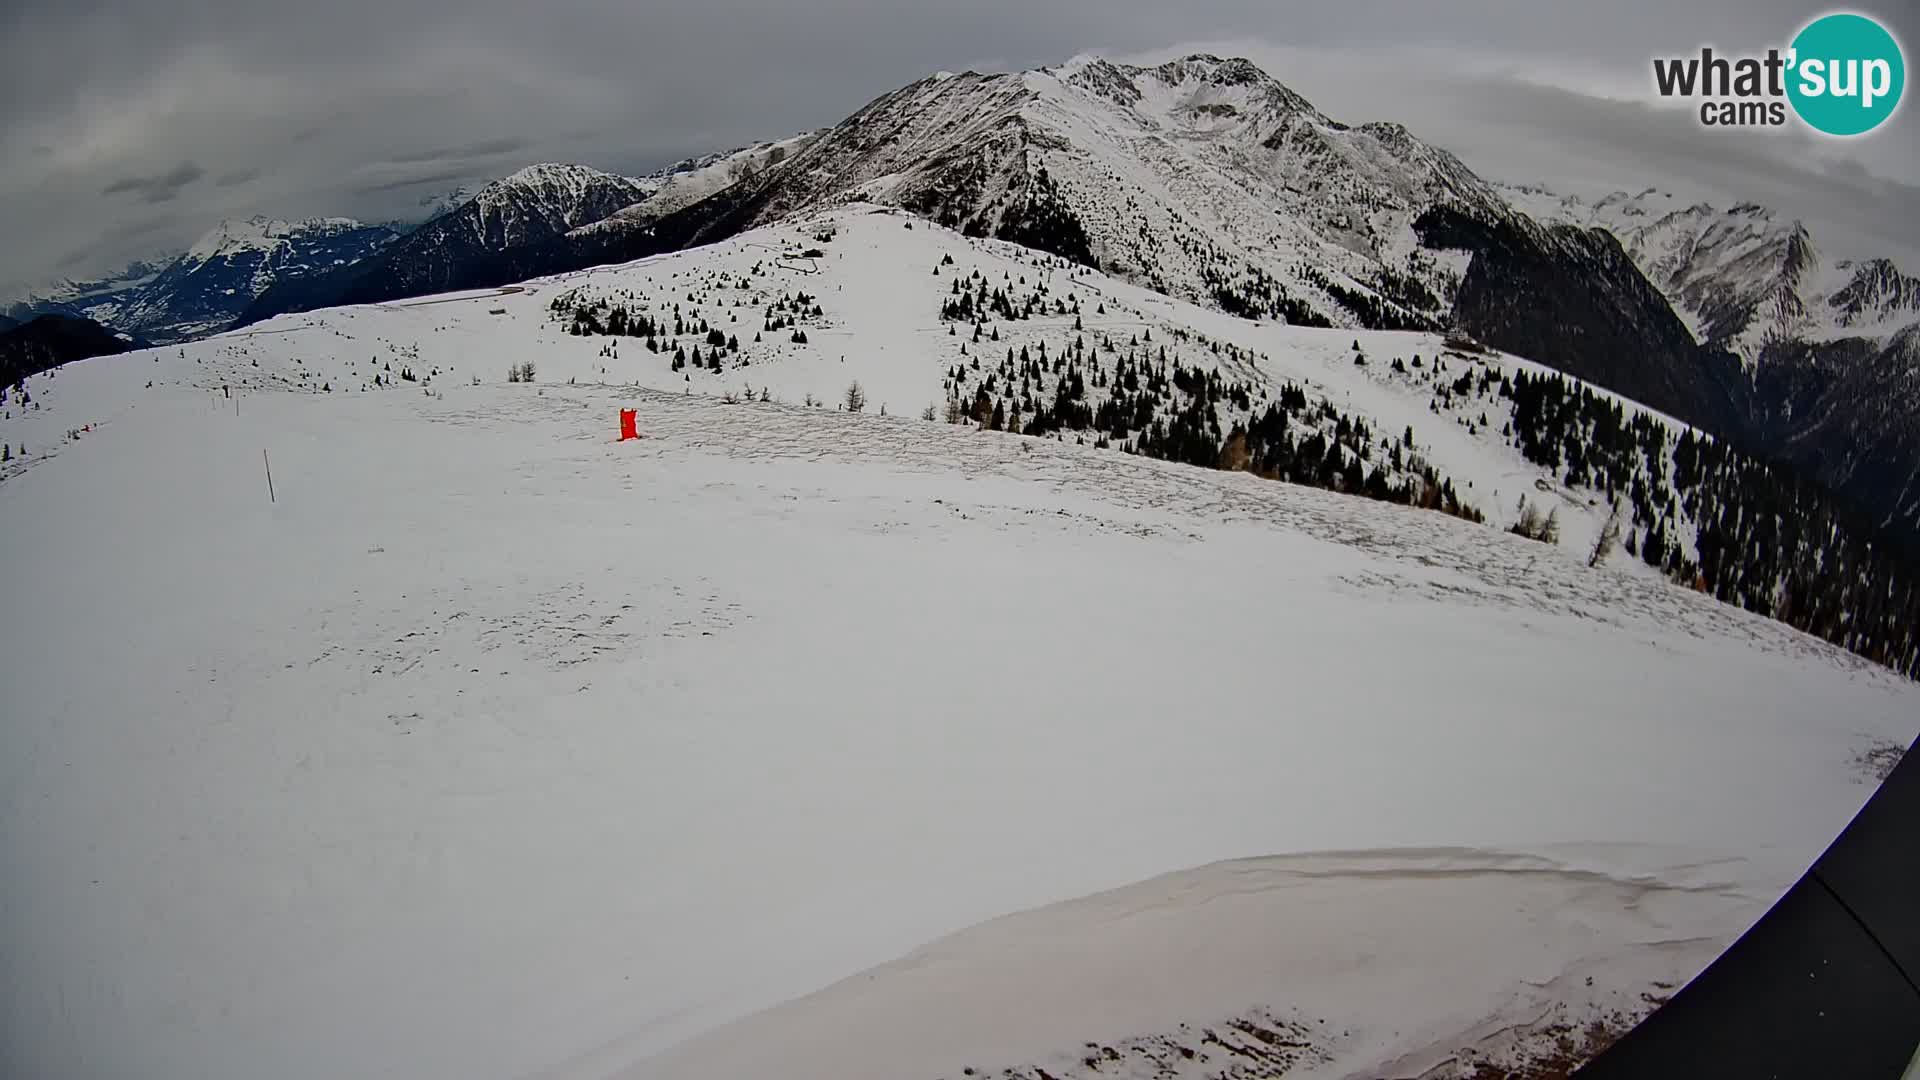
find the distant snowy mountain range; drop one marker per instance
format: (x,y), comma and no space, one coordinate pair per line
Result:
(204,289)
(532,222)
(1743,279)
(1207,180)
(99,298)
(1825,370)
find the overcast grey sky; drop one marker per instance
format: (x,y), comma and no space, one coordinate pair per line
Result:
(131,126)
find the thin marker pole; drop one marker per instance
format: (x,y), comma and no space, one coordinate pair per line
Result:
(269,464)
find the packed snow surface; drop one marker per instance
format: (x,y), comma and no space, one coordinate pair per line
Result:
(492,747)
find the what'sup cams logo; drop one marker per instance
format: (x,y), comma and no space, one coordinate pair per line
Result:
(1843,74)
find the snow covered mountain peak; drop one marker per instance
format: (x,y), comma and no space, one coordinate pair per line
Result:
(228,235)
(573,194)
(532,206)
(512,702)
(690,180)
(263,233)
(551,172)
(1201,177)
(1874,288)
(1201,92)
(1744,277)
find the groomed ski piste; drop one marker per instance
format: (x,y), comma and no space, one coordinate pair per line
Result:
(788,741)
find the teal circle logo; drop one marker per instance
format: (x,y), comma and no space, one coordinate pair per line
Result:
(1847,74)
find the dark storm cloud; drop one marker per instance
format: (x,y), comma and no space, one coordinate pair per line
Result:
(237,177)
(483,149)
(159,188)
(359,107)
(446,178)
(111,242)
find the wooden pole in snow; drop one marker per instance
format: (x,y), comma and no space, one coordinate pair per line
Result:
(269,465)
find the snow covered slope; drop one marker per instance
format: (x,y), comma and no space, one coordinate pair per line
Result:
(1210,181)
(1828,350)
(931,323)
(687,182)
(493,747)
(1501,965)
(1199,177)
(880,280)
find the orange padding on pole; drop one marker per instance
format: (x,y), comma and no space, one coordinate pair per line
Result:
(629,424)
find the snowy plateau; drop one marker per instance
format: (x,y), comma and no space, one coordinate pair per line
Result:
(792,740)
